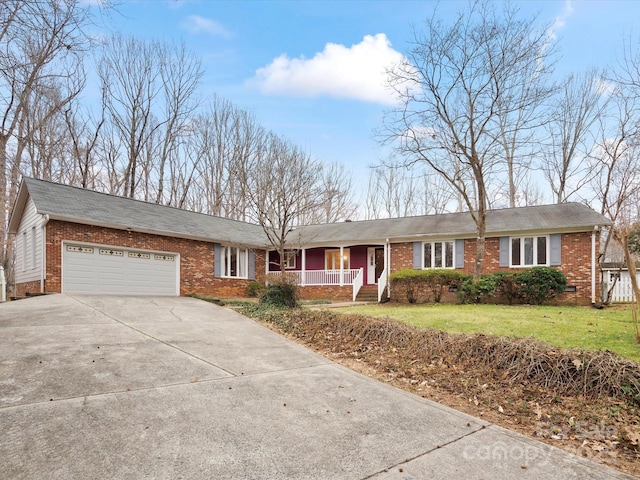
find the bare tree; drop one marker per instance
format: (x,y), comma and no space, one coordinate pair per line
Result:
(181,74)
(615,180)
(628,226)
(520,111)
(41,43)
(438,196)
(393,191)
(577,108)
(129,73)
(225,140)
(84,133)
(282,188)
(336,201)
(460,89)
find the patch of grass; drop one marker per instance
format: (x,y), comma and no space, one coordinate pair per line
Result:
(222,302)
(207,298)
(316,302)
(563,326)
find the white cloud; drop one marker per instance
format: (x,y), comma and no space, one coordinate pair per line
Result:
(560,21)
(356,72)
(197,24)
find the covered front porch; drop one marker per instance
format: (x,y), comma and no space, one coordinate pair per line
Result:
(335,266)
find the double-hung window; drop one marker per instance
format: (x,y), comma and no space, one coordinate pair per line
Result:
(332,259)
(234,261)
(529,251)
(289,259)
(438,254)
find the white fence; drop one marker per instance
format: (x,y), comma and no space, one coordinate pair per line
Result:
(3,285)
(622,291)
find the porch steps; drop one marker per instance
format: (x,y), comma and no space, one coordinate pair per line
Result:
(368,293)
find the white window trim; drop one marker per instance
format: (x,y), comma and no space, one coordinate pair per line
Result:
(345,251)
(225,253)
(453,256)
(290,259)
(535,251)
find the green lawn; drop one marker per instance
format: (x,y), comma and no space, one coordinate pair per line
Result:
(583,327)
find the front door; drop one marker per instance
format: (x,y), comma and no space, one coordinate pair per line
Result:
(375,264)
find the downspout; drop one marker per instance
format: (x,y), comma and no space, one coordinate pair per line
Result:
(593,264)
(43,267)
(387,266)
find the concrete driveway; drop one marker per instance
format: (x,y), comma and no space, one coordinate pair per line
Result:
(176,388)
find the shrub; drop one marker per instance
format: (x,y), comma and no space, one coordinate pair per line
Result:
(420,283)
(477,290)
(507,286)
(438,279)
(255,289)
(409,282)
(539,284)
(281,291)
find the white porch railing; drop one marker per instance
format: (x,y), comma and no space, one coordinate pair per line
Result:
(382,284)
(324,277)
(358,281)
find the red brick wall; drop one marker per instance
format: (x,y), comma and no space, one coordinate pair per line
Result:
(28,287)
(329,292)
(576,262)
(196,257)
(401,256)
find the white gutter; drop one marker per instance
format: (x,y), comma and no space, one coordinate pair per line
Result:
(43,266)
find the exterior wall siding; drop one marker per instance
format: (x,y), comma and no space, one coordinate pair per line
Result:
(196,258)
(28,247)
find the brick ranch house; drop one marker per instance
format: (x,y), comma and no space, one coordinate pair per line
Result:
(77,241)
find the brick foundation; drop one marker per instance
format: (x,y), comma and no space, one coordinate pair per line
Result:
(328,292)
(22,289)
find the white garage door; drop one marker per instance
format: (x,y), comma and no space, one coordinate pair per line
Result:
(118,271)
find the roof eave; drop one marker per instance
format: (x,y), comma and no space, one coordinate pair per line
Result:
(18,208)
(128,228)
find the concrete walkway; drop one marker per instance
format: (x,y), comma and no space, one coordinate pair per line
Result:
(176,388)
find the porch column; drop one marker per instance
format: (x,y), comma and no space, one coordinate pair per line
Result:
(341,266)
(304,267)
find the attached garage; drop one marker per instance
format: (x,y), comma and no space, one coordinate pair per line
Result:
(113,270)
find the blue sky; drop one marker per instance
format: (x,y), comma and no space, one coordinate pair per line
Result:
(310,70)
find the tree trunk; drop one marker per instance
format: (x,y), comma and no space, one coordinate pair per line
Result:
(631,265)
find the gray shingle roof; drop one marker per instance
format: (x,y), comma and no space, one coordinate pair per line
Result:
(79,205)
(559,218)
